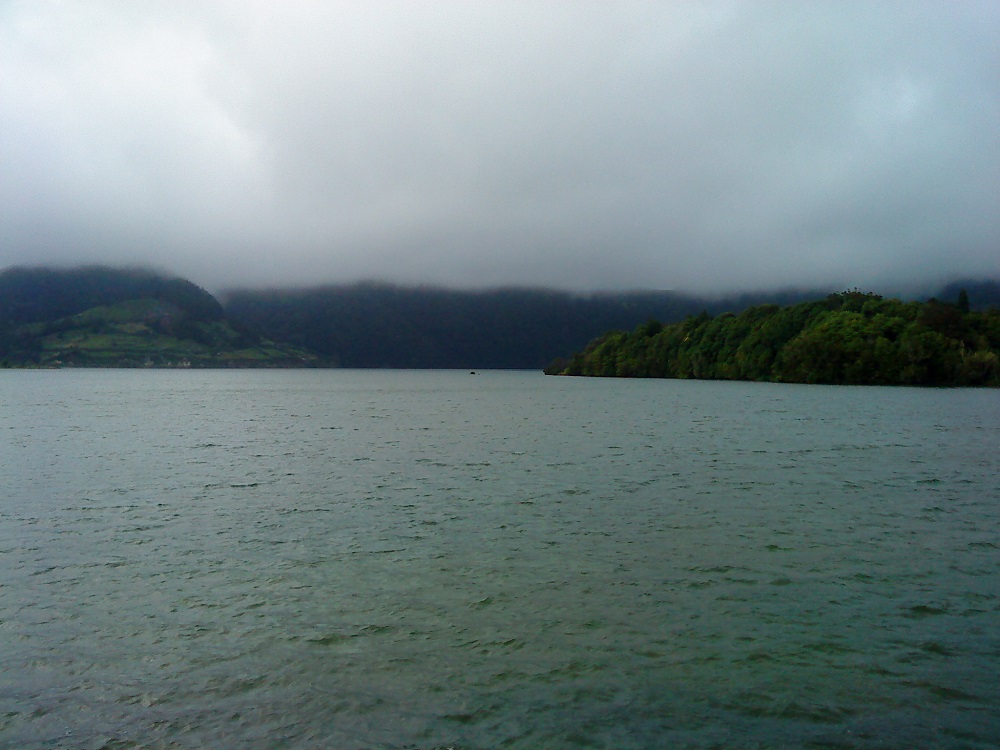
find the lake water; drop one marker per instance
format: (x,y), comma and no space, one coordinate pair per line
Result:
(399,559)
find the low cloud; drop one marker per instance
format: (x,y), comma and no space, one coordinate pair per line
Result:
(698,146)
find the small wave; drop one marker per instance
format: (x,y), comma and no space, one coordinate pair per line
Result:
(945,692)
(933,647)
(791,709)
(828,647)
(332,639)
(925,610)
(714,569)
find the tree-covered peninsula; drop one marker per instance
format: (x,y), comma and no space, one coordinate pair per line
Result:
(851,338)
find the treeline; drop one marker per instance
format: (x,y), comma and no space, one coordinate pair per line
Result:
(850,338)
(60,314)
(381,325)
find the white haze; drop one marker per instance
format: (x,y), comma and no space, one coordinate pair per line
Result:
(706,146)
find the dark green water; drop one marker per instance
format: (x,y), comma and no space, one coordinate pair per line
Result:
(351,559)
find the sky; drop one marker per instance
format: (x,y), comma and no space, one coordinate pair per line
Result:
(695,146)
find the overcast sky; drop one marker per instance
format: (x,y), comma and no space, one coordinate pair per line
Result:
(702,146)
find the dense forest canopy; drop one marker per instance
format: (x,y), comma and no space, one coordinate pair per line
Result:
(848,338)
(381,325)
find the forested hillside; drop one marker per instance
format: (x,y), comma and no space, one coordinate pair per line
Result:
(379,325)
(103,317)
(847,338)
(30,295)
(99,316)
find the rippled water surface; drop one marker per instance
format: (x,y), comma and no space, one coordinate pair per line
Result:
(351,559)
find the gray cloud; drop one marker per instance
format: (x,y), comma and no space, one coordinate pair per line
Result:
(702,146)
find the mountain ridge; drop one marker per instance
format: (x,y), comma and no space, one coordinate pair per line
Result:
(364,325)
(97,316)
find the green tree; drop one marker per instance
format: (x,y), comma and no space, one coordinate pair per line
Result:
(963,301)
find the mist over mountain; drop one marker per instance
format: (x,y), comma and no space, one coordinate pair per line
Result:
(381,325)
(65,315)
